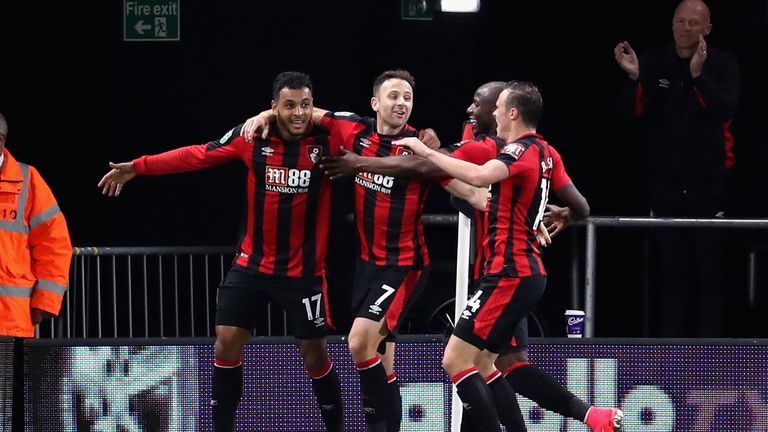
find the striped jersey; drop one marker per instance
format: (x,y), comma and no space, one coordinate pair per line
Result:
(517,204)
(387,209)
(477,151)
(288,196)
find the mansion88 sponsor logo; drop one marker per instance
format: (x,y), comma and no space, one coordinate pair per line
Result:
(375,182)
(287,180)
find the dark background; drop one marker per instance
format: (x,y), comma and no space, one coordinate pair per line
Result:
(76,96)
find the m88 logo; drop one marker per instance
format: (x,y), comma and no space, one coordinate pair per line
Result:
(282,176)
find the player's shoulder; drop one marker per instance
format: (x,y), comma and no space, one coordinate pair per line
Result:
(229,137)
(343,116)
(518,147)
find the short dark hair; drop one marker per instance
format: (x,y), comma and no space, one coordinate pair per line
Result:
(393,74)
(527,99)
(290,80)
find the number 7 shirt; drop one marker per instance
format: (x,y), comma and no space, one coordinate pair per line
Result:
(387,209)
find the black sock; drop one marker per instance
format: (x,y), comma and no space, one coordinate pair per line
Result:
(327,389)
(578,409)
(373,384)
(467,424)
(477,400)
(506,403)
(394,412)
(542,388)
(226,393)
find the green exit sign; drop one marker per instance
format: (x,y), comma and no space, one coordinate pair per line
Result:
(151,20)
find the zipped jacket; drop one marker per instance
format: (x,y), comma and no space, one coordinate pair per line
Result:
(35,250)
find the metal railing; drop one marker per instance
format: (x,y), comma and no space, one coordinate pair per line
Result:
(171,291)
(590,280)
(140,292)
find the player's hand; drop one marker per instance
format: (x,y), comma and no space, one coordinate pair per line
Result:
(253,124)
(699,57)
(39,315)
(627,59)
(113,181)
(429,137)
(417,147)
(542,235)
(340,166)
(556,219)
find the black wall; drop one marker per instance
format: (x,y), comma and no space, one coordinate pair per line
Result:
(76,96)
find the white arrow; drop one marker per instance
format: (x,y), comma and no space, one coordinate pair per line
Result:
(140,27)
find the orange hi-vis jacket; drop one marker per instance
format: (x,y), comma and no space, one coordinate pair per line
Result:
(35,250)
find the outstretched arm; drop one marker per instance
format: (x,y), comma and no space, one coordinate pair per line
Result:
(350,163)
(113,181)
(475,175)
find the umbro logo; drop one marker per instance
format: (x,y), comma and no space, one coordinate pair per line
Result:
(365,142)
(664,83)
(267,151)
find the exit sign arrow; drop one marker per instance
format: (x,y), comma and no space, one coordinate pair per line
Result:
(140,27)
(151,20)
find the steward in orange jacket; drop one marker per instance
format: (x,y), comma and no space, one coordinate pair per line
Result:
(35,250)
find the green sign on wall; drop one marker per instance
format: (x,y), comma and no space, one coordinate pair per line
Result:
(151,20)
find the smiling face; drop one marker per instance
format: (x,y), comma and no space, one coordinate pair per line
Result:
(481,110)
(293,111)
(503,116)
(691,20)
(393,104)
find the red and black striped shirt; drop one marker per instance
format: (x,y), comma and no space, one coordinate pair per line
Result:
(517,205)
(387,209)
(477,151)
(288,208)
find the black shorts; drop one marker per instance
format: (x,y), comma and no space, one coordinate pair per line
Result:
(519,340)
(244,296)
(492,316)
(386,291)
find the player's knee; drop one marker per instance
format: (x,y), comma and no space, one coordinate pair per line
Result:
(358,346)
(507,360)
(452,364)
(228,348)
(227,353)
(314,355)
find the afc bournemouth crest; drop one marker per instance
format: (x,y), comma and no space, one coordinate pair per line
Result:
(402,151)
(314,153)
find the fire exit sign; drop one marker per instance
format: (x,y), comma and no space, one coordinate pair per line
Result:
(151,20)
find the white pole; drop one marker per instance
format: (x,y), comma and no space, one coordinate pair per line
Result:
(462,280)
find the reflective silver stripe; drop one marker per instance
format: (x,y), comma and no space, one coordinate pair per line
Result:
(15,291)
(51,286)
(24,192)
(14,227)
(44,216)
(18,225)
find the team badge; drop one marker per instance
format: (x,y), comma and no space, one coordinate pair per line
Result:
(314,153)
(402,151)
(515,150)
